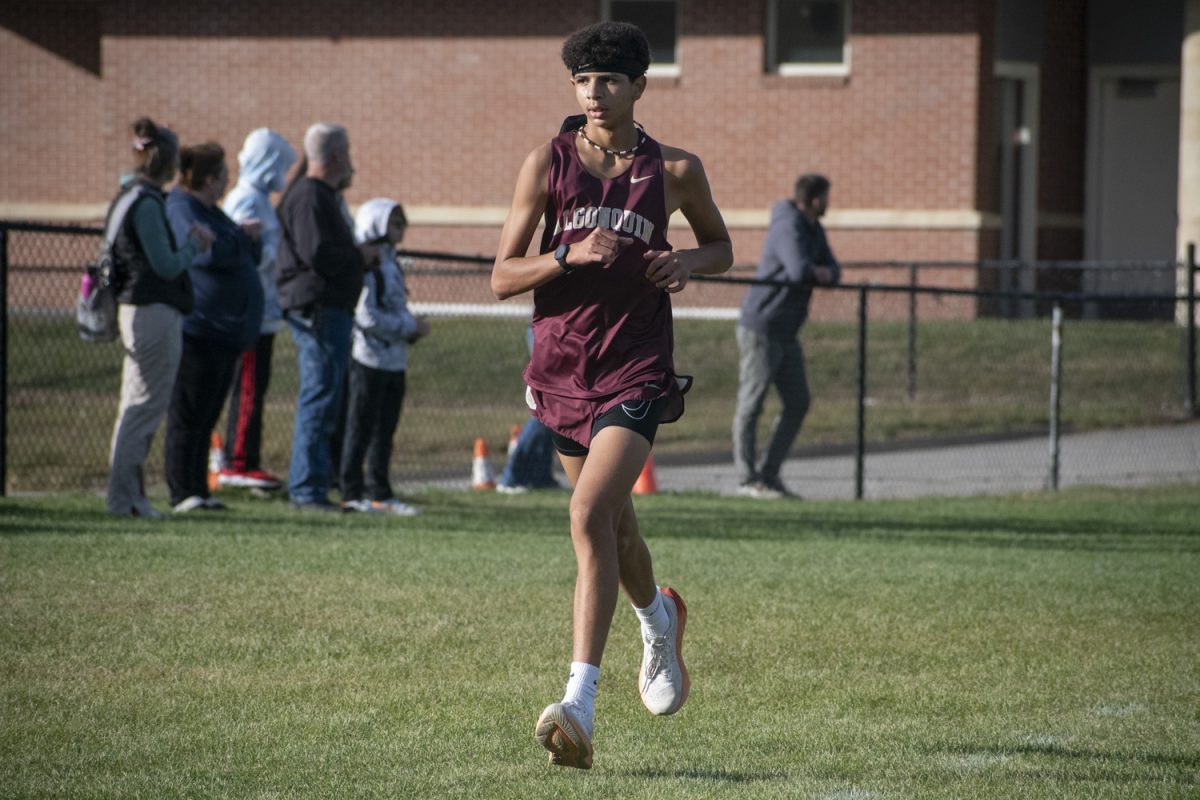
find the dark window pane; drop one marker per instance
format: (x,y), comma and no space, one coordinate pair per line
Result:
(657,21)
(810,31)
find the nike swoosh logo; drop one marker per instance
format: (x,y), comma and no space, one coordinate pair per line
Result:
(639,180)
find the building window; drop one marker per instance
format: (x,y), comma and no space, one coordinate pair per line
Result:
(659,20)
(808,37)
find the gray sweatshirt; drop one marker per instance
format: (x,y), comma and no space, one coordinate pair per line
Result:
(793,247)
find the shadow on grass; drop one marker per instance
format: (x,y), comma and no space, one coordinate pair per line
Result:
(1038,525)
(1107,766)
(709,775)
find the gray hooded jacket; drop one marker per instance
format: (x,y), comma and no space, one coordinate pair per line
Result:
(263,165)
(793,247)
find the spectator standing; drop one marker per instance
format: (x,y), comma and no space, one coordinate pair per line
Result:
(223,323)
(263,164)
(320,278)
(384,327)
(529,465)
(156,294)
(796,251)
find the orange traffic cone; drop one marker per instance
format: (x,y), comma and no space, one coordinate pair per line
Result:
(216,461)
(646,482)
(482,477)
(513,435)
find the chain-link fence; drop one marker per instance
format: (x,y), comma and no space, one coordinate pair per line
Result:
(902,357)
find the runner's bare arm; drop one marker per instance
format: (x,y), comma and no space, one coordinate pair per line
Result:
(688,191)
(515,273)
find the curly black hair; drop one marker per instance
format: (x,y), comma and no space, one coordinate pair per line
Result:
(611,44)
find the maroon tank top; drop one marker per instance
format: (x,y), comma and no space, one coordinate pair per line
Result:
(602,330)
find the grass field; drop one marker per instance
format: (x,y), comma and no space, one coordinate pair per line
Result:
(1044,646)
(983,376)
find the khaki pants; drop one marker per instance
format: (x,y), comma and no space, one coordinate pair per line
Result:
(153,340)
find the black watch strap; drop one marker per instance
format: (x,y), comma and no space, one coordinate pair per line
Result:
(560,255)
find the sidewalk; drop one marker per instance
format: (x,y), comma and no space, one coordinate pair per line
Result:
(1133,457)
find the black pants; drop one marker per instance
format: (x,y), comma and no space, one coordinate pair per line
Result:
(372,411)
(205,371)
(243,426)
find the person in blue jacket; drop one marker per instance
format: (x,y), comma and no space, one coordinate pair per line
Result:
(795,251)
(263,164)
(224,322)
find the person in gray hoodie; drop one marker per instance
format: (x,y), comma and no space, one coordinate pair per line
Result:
(795,251)
(384,327)
(263,165)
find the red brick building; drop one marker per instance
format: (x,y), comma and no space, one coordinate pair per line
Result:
(952,129)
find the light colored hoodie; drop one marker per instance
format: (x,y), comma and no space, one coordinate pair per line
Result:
(263,165)
(382,321)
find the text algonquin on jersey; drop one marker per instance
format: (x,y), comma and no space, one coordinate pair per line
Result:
(618,219)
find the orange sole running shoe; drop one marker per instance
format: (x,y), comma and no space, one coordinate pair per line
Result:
(663,681)
(559,732)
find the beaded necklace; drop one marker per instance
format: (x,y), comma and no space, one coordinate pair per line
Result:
(615,153)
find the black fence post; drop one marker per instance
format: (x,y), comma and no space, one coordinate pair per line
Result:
(860,435)
(3,360)
(912,332)
(1190,401)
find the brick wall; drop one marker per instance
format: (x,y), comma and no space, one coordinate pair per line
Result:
(443,101)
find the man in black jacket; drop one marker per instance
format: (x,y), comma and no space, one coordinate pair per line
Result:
(320,277)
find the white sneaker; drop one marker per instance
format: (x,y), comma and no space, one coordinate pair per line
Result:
(560,733)
(361,506)
(663,680)
(190,504)
(762,490)
(394,507)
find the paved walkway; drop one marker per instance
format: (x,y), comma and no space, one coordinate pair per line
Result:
(1132,457)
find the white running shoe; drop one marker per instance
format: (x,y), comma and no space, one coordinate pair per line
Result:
(663,680)
(561,734)
(189,504)
(359,506)
(395,508)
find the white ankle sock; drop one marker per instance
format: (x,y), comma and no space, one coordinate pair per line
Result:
(581,693)
(654,616)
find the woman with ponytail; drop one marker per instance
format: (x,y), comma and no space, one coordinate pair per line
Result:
(154,295)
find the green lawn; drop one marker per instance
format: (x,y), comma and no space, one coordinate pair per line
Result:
(464,381)
(1041,646)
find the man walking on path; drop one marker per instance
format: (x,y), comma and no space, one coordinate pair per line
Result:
(795,251)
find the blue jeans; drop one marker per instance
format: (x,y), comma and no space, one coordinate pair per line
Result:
(323,344)
(530,461)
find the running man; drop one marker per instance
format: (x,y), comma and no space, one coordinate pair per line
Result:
(602,376)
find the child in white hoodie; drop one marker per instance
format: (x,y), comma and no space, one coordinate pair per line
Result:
(383,329)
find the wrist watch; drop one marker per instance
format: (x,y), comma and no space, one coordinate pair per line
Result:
(560,255)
